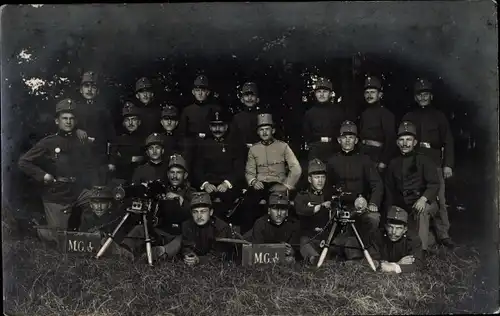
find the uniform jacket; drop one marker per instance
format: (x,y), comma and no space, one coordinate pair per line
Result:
(150,171)
(173,144)
(382,248)
(244,126)
(105,223)
(355,173)
(122,149)
(150,118)
(194,118)
(305,201)
(96,118)
(201,239)
(274,162)
(74,160)
(378,123)
(323,120)
(171,214)
(409,177)
(433,127)
(265,232)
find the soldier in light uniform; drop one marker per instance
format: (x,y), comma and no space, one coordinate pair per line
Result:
(219,164)
(126,150)
(271,166)
(65,167)
(200,231)
(435,140)
(412,183)
(149,108)
(156,166)
(173,142)
(322,122)
(377,126)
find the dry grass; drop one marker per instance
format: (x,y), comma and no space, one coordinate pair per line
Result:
(40,281)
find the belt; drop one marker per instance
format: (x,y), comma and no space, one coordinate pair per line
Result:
(373,143)
(411,192)
(66,179)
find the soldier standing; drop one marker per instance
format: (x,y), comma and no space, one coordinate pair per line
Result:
(377,126)
(173,143)
(412,183)
(127,152)
(322,122)
(155,168)
(65,166)
(436,142)
(150,111)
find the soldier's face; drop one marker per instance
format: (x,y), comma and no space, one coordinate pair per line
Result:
(218,130)
(66,122)
(88,90)
(99,207)
(176,176)
(395,231)
(131,123)
(423,98)
(322,95)
(266,132)
(406,143)
(155,152)
(347,142)
(372,95)
(201,215)
(278,215)
(249,99)
(317,181)
(200,94)
(169,124)
(145,96)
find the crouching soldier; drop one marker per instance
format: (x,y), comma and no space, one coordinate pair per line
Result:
(276,226)
(271,165)
(412,183)
(199,233)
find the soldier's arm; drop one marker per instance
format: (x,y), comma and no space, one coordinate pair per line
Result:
(295,170)
(431,178)
(414,249)
(449,147)
(28,162)
(188,238)
(251,168)
(183,122)
(376,184)
(303,207)
(389,128)
(236,176)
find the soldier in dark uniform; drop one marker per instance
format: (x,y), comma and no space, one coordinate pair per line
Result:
(66,168)
(356,174)
(436,142)
(219,164)
(322,123)
(127,149)
(102,216)
(377,126)
(156,166)
(276,226)
(149,108)
(200,231)
(412,183)
(173,143)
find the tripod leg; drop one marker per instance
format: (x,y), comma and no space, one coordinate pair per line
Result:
(365,252)
(324,252)
(110,238)
(148,240)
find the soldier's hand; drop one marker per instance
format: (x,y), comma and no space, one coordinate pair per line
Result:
(381,166)
(289,259)
(82,135)
(372,207)
(386,266)
(407,260)
(420,204)
(191,259)
(222,187)
(111,167)
(209,188)
(279,188)
(48,178)
(172,195)
(327,204)
(317,208)
(448,172)
(288,249)
(137,158)
(258,185)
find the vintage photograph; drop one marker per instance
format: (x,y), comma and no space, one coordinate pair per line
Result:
(324,158)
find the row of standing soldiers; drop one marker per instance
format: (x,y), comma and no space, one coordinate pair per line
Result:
(225,157)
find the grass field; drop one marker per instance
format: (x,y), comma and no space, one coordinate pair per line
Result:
(39,280)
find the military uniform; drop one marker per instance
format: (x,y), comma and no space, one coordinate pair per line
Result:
(151,171)
(377,129)
(321,126)
(71,164)
(102,220)
(409,177)
(173,142)
(435,141)
(150,113)
(127,146)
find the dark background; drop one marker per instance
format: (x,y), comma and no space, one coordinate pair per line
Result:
(279,46)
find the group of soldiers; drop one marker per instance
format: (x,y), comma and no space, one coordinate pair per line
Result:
(220,169)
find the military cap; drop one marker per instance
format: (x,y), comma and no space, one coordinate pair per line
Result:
(177,160)
(373,82)
(65,105)
(169,111)
(279,199)
(316,166)
(422,85)
(407,128)
(200,199)
(143,84)
(101,193)
(154,138)
(89,77)
(129,109)
(397,214)
(249,88)
(201,82)
(264,119)
(323,83)
(348,127)
(218,117)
